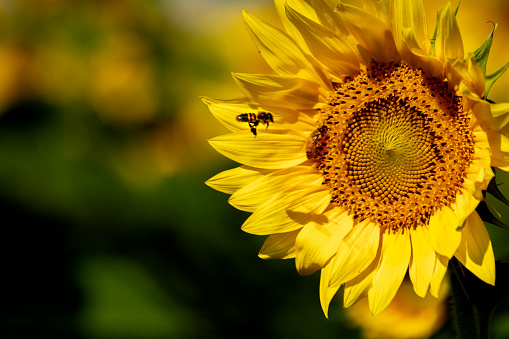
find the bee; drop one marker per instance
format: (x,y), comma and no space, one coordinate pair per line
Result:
(254,119)
(313,142)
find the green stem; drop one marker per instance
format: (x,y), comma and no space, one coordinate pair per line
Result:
(469,317)
(483,320)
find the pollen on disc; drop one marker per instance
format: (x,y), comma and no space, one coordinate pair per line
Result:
(397,145)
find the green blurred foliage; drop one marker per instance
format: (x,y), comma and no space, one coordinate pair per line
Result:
(109,230)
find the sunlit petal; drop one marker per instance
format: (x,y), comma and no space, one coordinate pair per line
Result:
(445,232)
(252,196)
(358,287)
(281,52)
(291,92)
(356,252)
(441,264)
(448,43)
(265,151)
(327,292)
(279,246)
(475,251)
(318,240)
(333,51)
(372,33)
(288,211)
(411,14)
(422,263)
(234,179)
(393,263)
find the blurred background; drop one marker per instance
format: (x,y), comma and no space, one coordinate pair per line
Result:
(109,229)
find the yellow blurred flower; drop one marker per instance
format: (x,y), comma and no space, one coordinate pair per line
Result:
(407,316)
(150,158)
(15,67)
(122,81)
(381,147)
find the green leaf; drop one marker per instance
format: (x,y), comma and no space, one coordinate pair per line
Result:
(490,79)
(433,40)
(482,53)
(457,7)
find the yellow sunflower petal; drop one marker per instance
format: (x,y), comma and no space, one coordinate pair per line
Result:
(373,34)
(441,264)
(482,110)
(226,111)
(499,147)
(280,91)
(468,72)
(230,181)
(331,3)
(326,291)
(279,246)
(334,52)
(380,8)
(281,52)
(499,110)
(252,196)
(464,205)
(289,27)
(488,175)
(422,263)
(475,251)
(476,75)
(448,43)
(389,275)
(411,14)
(467,92)
(288,211)
(479,173)
(303,7)
(287,119)
(318,240)
(412,53)
(358,287)
(355,252)
(499,117)
(476,184)
(481,141)
(445,232)
(270,151)
(330,19)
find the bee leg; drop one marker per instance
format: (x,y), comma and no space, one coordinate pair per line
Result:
(253,128)
(255,124)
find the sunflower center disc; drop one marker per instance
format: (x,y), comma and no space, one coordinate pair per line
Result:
(396,147)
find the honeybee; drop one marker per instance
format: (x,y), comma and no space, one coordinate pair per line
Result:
(313,142)
(254,119)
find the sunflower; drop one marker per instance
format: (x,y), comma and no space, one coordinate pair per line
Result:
(381,145)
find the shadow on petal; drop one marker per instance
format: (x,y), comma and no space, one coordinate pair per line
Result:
(303,218)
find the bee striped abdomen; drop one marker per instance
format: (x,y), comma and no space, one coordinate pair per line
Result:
(254,119)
